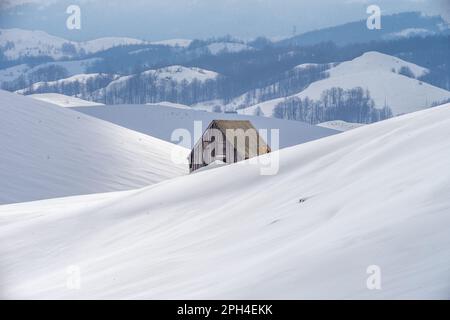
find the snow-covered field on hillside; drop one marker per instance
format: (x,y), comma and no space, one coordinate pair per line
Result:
(63,100)
(376,195)
(48,151)
(340,125)
(162,121)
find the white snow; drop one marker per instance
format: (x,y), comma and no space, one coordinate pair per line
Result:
(376,195)
(372,71)
(29,43)
(162,121)
(304,66)
(180,73)
(409,32)
(374,62)
(49,151)
(63,100)
(340,125)
(170,73)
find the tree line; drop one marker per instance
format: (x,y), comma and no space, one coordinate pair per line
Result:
(352,105)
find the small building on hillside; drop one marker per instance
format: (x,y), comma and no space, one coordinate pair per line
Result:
(228,141)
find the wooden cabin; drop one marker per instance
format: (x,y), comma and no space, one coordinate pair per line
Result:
(228,141)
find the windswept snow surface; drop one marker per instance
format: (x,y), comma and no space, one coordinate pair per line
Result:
(63,100)
(376,195)
(162,121)
(48,151)
(377,73)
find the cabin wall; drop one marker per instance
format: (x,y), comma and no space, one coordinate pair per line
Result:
(215,139)
(202,154)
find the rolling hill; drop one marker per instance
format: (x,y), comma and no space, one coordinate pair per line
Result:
(373,197)
(380,74)
(49,151)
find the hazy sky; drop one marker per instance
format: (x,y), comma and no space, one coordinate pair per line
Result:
(165,19)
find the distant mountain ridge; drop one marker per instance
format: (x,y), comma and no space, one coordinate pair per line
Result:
(392,26)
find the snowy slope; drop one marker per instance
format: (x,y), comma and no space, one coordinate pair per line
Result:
(180,73)
(79,78)
(372,71)
(175,73)
(27,43)
(162,121)
(49,151)
(340,125)
(63,100)
(376,195)
(71,68)
(146,86)
(375,62)
(170,104)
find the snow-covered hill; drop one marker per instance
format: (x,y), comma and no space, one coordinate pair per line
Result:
(19,43)
(375,62)
(373,196)
(162,121)
(49,151)
(71,85)
(181,73)
(378,73)
(63,100)
(154,84)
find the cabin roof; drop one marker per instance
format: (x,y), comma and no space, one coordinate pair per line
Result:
(224,125)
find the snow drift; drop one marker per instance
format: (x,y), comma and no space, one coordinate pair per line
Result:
(49,151)
(375,195)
